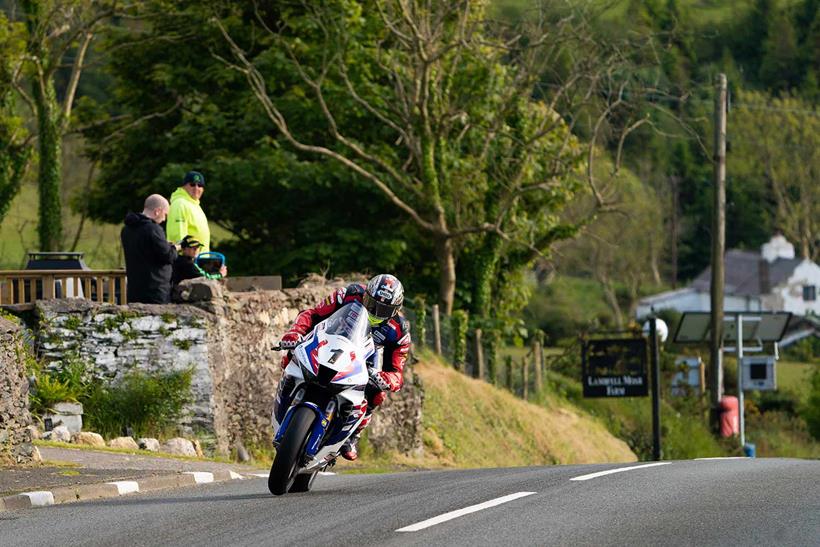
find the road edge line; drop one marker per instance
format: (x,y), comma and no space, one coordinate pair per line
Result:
(112,489)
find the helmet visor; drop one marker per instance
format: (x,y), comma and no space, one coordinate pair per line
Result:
(378,309)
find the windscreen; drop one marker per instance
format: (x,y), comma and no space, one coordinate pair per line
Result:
(349,321)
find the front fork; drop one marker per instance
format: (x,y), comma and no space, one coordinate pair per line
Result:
(324,417)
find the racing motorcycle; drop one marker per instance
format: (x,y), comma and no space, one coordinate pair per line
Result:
(321,398)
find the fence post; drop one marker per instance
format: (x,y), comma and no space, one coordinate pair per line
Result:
(536,356)
(421,321)
(479,355)
(525,375)
(437,328)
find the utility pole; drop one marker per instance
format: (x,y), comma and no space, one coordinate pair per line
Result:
(718,247)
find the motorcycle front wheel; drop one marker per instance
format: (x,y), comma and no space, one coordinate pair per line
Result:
(286,463)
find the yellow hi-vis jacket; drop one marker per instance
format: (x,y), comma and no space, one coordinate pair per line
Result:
(186,217)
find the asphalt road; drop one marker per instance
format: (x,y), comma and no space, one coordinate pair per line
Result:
(702,502)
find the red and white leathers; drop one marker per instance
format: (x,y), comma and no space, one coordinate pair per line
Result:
(393,335)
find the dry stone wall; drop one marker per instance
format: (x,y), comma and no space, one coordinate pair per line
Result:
(15,439)
(227,337)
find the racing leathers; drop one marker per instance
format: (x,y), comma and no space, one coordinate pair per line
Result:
(392,335)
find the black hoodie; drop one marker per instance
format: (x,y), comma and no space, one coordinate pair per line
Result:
(148,260)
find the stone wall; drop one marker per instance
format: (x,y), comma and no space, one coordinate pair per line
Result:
(227,338)
(117,339)
(15,440)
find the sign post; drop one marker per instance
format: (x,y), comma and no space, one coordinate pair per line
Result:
(617,367)
(739,321)
(656,389)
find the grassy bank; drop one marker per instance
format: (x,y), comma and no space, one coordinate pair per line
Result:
(468,423)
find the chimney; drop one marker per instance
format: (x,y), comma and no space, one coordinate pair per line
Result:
(777,247)
(763,276)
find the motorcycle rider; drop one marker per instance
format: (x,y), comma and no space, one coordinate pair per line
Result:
(382,297)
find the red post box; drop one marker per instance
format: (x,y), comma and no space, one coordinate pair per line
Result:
(729,422)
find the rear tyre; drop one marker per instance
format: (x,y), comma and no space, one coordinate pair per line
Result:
(303,483)
(283,471)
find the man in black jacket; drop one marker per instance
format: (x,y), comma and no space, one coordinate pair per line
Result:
(148,255)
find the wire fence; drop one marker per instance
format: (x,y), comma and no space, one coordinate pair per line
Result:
(481,354)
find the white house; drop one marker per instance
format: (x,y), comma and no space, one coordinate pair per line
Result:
(772,280)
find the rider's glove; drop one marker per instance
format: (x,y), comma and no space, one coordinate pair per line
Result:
(290,340)
(378,381)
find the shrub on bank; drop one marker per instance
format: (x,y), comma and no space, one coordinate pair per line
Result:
(147,404)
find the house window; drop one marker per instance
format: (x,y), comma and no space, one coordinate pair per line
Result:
(809,293)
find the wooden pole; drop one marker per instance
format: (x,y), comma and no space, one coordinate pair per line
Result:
(536,356)
(437,328)
(525,375)
(509,363)
(718,247)
(479,355)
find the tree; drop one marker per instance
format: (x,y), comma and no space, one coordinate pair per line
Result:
(465,150)
(777,143)
(174,107)
(618,250)
(780,65)
(59,33)
(14,143)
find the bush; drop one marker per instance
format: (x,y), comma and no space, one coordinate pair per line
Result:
(811,412)
(65,383)
(779,434)
(150,404)
(806,350)
(566,306)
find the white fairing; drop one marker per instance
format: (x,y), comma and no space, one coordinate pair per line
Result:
(342,343)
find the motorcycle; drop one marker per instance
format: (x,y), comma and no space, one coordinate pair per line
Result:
(321,398)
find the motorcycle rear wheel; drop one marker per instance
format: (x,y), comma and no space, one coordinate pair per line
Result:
(303,483)
(283,471)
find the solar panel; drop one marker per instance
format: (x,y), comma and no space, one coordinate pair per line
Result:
(696,327)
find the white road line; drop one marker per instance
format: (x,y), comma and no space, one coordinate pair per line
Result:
(265,475)
(39,498)
(723,458)
(234,475)
(619,470)
(126,487)
(201,477)
(461,512)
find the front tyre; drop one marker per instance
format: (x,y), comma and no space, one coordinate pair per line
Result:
(286,464)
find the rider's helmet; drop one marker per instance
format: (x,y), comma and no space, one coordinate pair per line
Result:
(383,298)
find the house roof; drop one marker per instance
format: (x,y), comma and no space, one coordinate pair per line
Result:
(664,296)
(743,273)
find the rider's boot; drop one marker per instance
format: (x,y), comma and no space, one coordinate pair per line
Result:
(350,450)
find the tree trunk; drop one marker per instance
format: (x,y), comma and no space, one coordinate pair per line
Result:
(674,228)
(447,273)
(612,300)
(50,225)
(486,263)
